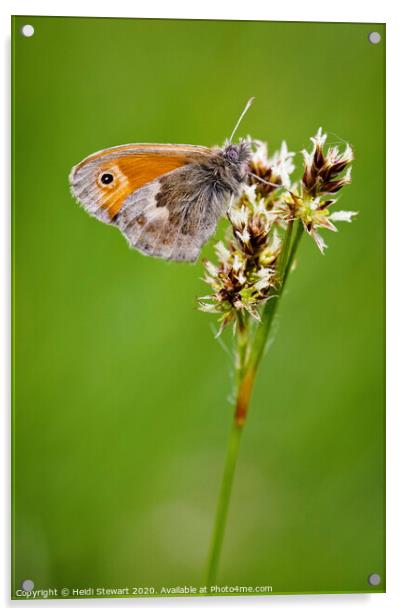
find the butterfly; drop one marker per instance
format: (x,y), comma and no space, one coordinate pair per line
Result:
(165,199)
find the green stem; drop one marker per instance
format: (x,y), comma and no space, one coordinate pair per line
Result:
(243,385)
(223,503)
(286,247)
(285,264)
(249,353)
(242,344)
(290,260)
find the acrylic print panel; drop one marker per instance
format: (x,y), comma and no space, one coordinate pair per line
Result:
(149,457)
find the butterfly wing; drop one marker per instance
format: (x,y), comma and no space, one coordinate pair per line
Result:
(125,168)
(173,216)
(155,194)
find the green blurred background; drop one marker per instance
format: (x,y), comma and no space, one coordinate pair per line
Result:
(121,394)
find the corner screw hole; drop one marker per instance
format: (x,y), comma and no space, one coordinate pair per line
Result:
(27,30)
(374,579)
(28,585)
(374,38)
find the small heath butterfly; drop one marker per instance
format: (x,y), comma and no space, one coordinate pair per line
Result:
(165,199)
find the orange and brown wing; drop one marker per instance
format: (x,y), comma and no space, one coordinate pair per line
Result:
(103,181)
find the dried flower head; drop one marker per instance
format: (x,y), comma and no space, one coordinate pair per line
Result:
(322,172)
(252,261)
(273,171)
(325,173)
(245,273)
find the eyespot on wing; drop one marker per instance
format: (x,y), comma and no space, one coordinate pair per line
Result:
(104,180)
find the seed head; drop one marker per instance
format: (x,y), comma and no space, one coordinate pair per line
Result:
(248,274)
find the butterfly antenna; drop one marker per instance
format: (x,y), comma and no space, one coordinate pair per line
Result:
(261,180)
(243,113)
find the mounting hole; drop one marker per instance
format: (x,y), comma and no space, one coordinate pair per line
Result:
(374,579)
(27,30)
(374,38)
(28,585)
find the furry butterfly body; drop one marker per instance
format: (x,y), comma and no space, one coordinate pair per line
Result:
(165,199)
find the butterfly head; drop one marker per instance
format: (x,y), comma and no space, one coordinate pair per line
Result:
(237,156)
(236,153)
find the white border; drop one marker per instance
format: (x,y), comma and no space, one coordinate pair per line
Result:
(295,10)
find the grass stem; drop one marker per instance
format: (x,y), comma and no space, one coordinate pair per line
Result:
(250,349)
(223,502)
